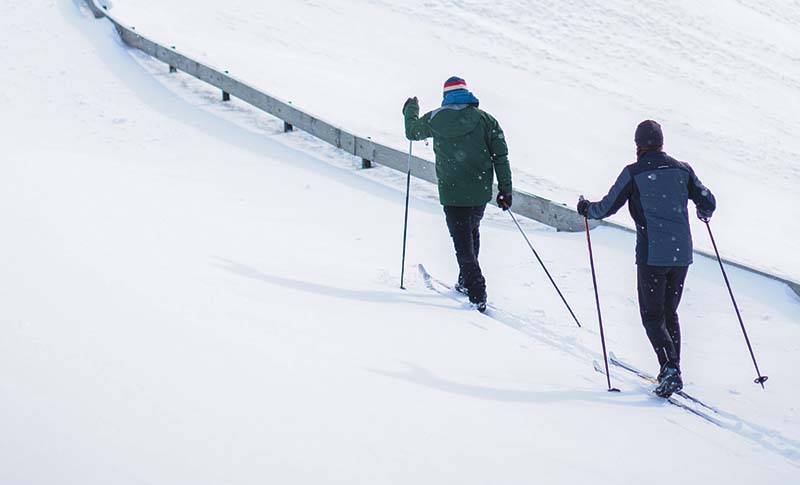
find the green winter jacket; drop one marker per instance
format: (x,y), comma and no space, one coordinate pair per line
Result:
(470,148)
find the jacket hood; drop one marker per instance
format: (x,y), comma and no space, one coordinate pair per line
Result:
(454,120)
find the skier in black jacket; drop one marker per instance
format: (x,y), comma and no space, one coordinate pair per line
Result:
(657,189)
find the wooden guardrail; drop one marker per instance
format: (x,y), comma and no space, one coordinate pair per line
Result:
(553,214)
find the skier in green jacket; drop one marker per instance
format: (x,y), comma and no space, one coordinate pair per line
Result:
(470,149)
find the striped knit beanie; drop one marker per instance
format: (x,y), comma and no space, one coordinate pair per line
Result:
(454,84)
(455,92)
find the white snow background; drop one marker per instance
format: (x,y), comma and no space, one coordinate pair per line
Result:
(568,80)
(190,295)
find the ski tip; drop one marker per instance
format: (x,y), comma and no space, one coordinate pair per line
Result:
(423,271)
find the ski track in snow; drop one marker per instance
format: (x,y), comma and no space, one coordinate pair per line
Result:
(769,439)
(550,334)
(186,301)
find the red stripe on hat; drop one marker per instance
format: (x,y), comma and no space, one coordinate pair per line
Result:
(455,83)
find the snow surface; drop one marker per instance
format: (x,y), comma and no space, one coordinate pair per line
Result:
(191,296)
(568,80)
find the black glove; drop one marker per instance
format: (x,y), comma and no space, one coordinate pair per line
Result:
(504,200)
(704,216)
(409,101)
(583,207)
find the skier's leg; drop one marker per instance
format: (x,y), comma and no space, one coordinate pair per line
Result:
(652,284)
(459,223)
(478,287)
(675,279)
(477,215)
(475,222)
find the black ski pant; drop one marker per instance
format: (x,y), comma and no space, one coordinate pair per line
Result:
(464,226)
(660,291)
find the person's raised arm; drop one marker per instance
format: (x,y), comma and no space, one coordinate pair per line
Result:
(416,128)
(619,193)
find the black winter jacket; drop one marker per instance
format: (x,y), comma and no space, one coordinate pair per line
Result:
(657,188)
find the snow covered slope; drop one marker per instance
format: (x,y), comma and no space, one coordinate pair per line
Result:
(191,296)
(569,81)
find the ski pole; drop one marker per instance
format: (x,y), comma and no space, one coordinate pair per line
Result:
(761,378)
(597,301)
(544,268)
(405,223)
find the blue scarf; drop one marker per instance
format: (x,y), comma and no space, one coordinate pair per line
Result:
(459,96)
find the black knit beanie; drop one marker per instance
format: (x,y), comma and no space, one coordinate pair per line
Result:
(648,134)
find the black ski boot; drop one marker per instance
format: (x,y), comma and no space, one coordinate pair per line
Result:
(661,374)
(480,306)
(669,380)
(459,287)
(479,302)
